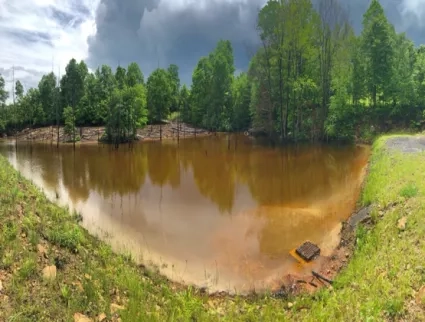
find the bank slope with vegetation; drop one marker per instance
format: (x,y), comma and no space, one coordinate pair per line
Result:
(312,78)
(51,269)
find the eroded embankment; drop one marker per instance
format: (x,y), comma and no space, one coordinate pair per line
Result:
(92,134)
(383,281)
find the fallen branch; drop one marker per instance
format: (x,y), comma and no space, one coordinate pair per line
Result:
(315,274)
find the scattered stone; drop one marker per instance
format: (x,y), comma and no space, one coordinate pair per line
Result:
(290,305)
(49,272)
(101,317)
(359,217)
(402,223)
(78,317)
(60,263)
(41,250)
(79,286)
(23,235)
(115,307)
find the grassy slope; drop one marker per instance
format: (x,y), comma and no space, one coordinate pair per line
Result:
(380,282)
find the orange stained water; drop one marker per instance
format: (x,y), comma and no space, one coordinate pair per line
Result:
(222,212)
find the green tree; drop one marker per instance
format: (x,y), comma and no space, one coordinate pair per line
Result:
(378,48)
(87,113)
(160,96)
(120,77)
(419,76)
(184,103)
(220,110)
(173,71)
(115,126)
(135,102)
(47,92)
(105,86)
(403,88)
(19,90)
(72,87)
(134,75)
(200,92)
(241,118)
(3,93)
(70,118)
(3,98)
(31,109)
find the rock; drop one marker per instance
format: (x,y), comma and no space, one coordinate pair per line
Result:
(420,296)
(49,272)
(101,317)
(290,305)
(361,216)
(79,286)
(78,317)
(41,250)
(402,223)
(1,286)
(115,307)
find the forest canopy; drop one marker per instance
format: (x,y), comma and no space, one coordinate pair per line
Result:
(312,79)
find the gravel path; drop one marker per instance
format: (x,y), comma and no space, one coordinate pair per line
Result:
(407,144)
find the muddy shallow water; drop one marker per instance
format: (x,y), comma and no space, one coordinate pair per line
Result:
(209,211)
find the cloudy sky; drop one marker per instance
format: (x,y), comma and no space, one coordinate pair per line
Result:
(38,35)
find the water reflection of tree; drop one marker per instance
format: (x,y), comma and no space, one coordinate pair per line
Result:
(296,174)
(163,163)
(281,176)
(74,175)
(213,169)
(41,158)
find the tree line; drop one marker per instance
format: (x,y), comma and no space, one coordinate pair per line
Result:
(312,79)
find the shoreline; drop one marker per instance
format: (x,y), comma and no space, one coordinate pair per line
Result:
(90,280)
(326,266)
(91,135)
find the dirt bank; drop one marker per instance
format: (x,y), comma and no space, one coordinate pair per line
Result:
(92,134)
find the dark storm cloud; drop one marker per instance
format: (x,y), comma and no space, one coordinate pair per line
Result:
(160,32)
(163,32)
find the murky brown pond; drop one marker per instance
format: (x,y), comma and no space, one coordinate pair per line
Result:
(204,213)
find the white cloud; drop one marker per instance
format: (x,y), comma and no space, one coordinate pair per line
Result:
(414,9)
(36,34)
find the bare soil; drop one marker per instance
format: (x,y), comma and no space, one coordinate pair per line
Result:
(93,134)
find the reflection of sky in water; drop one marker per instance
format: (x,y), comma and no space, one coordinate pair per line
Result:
(232,213)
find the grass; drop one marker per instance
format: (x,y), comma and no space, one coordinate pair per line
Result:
(381,281)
